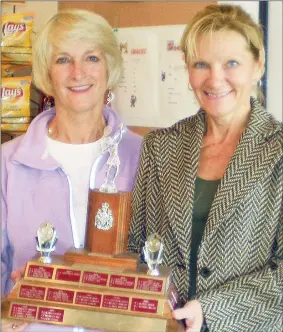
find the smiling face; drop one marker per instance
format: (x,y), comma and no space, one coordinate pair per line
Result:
(223,74)
(78,73)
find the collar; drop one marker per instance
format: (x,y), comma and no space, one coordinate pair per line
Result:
(261,123)
(32,150)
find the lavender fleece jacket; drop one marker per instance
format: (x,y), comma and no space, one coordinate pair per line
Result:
(35,189)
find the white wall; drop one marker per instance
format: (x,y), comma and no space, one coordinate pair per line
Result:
(274,64)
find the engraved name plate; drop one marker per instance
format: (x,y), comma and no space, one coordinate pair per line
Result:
(95,278)
(151,285)
(115,302)
(68,275)
(60,295)
(143,305)
(23,311)
(90,299)
(41,272)
(119,281)
(32,292)
(50,314)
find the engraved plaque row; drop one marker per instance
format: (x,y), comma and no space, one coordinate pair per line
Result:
(90,278)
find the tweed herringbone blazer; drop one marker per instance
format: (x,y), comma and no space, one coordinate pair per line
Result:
(240,258)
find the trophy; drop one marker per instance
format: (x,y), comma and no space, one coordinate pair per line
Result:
(46,240)
(153,252)
(101,286)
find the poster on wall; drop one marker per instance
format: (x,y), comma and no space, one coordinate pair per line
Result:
(137,94)
(176,100)
(154,90)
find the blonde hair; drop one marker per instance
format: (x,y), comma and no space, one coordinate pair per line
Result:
(217,18)
(74,24)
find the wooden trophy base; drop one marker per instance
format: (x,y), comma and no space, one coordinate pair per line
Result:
(83,256)
(94,296)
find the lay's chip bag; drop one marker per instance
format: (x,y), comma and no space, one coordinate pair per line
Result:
(11,70)
(16,55)
(15,97)
(17,29)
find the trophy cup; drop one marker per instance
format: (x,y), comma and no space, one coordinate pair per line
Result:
(101,286)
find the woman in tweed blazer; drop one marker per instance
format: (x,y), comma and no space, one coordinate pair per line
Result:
(233,142)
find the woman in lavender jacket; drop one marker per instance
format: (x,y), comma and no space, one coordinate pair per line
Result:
(47,172)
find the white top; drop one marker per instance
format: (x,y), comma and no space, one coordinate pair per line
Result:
(76,160)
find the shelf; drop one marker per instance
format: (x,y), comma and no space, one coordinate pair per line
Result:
(13,3)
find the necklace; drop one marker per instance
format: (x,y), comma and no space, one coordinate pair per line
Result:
(52,130)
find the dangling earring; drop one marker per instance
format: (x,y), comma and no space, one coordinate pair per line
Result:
(189,87)
(259,83)
(110,98)
(47,103)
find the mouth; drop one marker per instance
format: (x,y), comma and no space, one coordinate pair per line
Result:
(217,95)
(81,88)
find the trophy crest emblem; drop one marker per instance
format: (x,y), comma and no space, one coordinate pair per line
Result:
(104,218)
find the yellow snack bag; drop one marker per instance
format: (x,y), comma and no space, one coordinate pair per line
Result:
(16,54)
(15,96)
(17,29)
(9,127)
(10,70)
(16,120)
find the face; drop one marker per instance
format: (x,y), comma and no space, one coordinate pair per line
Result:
(223,74)
(79,76)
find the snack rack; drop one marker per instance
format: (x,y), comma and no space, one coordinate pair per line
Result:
(16,64)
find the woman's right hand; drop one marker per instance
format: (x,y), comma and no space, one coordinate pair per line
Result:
(17,275)
(9,325)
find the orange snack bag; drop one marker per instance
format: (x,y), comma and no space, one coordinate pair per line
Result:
(17,29)
(15,96)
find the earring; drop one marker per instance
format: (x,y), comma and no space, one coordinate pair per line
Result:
(47,103)
(110,98)
(259,83)
(189,87)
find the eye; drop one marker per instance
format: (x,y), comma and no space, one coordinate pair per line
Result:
(62,60)
(93,58)
(232,63)
(200,65)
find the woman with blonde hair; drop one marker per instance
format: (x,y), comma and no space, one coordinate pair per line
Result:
(212,184)
(47,172)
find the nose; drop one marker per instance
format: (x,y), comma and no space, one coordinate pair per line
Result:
(77,70)
(217,76)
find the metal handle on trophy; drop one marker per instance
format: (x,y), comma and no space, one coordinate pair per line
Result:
(46,240)
(113,164)
(153,254)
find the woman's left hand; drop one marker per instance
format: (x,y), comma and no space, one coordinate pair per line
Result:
(193,315)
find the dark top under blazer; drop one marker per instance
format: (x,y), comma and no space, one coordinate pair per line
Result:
(242,246)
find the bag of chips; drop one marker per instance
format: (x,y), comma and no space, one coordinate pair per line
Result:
(17,29)
(16,55)
(12,127)
(11,70)
(15,97)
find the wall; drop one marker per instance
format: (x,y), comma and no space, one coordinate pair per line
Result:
(274,69)
(45,9)
(274,59)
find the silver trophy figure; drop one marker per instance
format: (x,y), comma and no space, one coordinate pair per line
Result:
(153,253)
(112,163)
(46,240)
